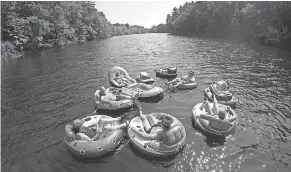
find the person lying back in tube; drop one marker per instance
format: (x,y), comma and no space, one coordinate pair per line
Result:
(120,79)
(222,86)
(216,111)
(106,97)
(159,133)
(144,75)
(92,132)
(190,78)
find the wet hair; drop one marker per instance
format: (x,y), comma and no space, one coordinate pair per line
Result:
(221,114)
(166,122)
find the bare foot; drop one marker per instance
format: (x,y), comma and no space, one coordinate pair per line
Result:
(139,108)
(136,96)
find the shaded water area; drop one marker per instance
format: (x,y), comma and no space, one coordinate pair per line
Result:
(42,92)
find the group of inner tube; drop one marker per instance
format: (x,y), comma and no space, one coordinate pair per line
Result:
(154,134)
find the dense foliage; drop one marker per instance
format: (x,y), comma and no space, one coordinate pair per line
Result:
(268,22)
(161,28)
(31,25)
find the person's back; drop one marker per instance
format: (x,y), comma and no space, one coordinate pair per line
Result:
(158,132)
(173,135)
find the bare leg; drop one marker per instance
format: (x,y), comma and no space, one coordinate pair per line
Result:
(82,136)
(207,107)
(115,127)
(177,84)
(105,121)
(144,120)
(109,127)
(215,106)
(128,96)
(173,81)
(153,119)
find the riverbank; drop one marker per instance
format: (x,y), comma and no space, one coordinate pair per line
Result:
(35,26)
(267,23)
(11,51)
(276,42)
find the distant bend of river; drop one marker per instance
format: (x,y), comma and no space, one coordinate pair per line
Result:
(42,92)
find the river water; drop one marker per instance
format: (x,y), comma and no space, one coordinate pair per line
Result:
(42,92)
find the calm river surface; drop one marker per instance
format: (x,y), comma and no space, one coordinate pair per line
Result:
(42,92)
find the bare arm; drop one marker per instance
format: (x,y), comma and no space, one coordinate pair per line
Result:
(232,118)
(208,117)
(124,97)
(153,136)
(179,83)
(82,136)
(115,127)
(116,83)
(130,79)
(104,100)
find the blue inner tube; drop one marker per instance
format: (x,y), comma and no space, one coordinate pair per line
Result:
(107,140)
(173,141)
(214,127)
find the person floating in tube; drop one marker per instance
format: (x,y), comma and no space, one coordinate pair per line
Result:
(92,132)
(222,87)
(216,111)
(169,70)
(158,133)
(121,80)
(190,78)
(106,97)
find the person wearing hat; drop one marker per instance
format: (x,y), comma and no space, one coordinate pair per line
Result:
(92,132)
(159,133)
(190,78)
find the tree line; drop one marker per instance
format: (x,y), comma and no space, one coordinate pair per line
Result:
(32,25)
(267,22)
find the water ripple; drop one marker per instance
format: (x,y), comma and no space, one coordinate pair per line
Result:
(44,91)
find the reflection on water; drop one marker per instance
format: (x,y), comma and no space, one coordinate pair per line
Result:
(44,91)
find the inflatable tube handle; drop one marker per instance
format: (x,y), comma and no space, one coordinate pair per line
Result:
(70,135)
